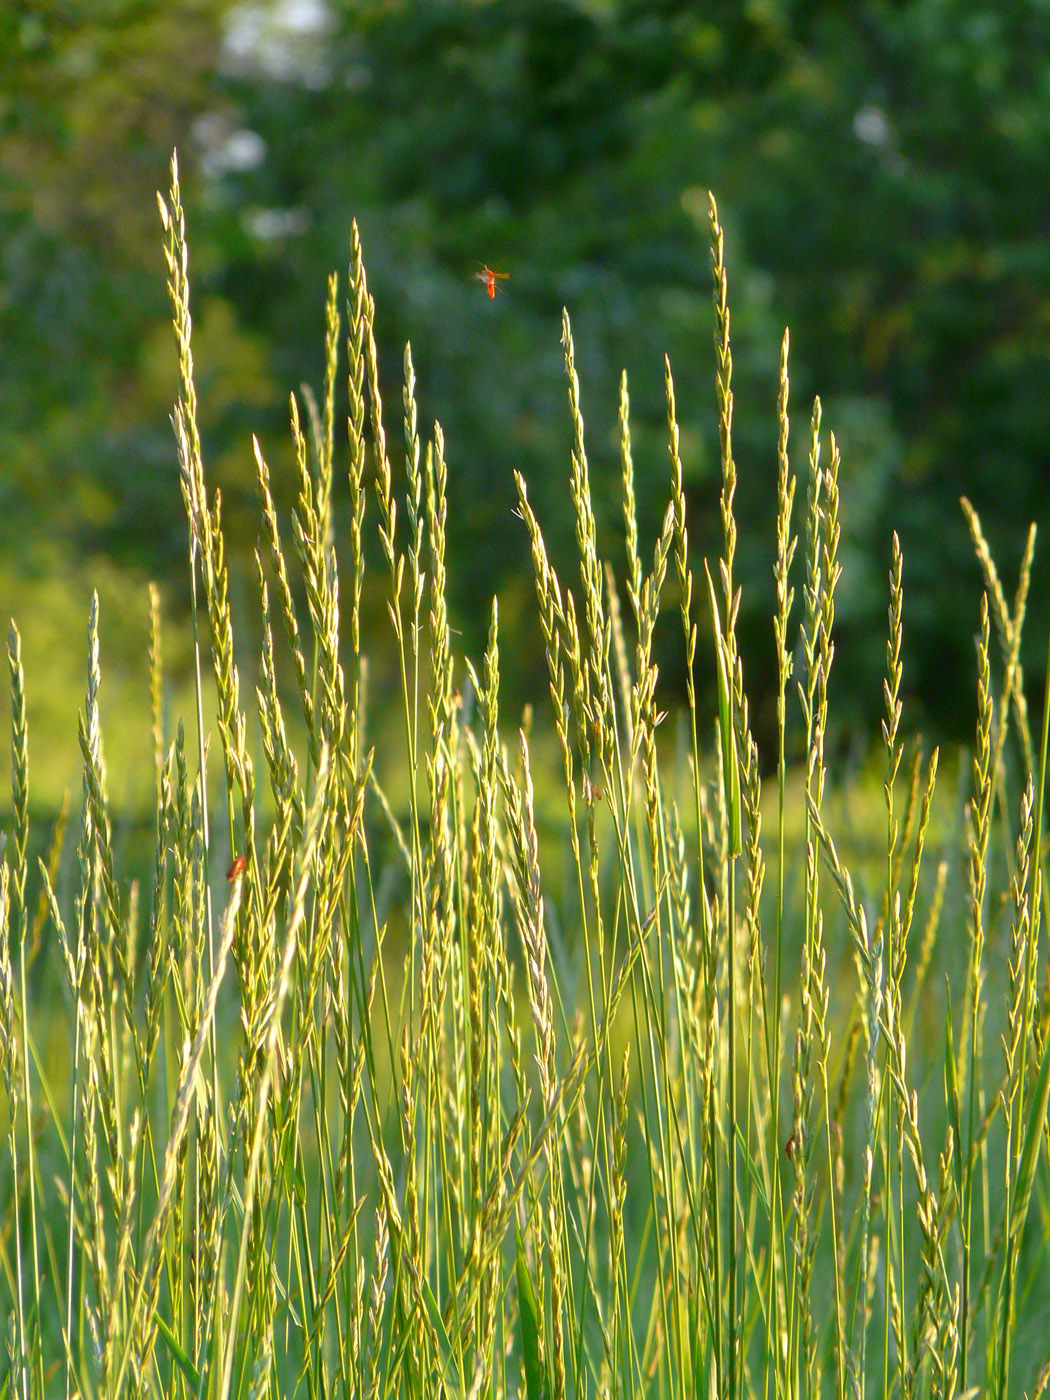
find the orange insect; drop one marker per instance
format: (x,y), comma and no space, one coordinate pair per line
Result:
(237,868)
(490,278)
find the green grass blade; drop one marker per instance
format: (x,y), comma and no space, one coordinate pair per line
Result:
(1030,1150)
(528,1324)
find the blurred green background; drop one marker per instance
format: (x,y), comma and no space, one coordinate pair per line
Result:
(881,174)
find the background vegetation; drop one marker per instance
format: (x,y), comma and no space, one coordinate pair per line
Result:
(738,1106)
(881,175)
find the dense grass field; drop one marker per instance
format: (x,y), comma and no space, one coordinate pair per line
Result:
(693,1082)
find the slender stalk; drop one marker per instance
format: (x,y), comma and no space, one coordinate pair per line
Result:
(19,924)
(980,828)
(786,546)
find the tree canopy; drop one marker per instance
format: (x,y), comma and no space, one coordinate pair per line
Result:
(879,171)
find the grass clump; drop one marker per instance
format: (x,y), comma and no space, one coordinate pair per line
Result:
(377,1117)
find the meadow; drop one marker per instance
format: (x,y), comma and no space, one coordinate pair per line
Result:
(693,1078)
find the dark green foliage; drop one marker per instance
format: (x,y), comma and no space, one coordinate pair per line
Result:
(880,170)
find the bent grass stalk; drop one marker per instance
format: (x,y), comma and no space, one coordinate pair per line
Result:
(362,1142)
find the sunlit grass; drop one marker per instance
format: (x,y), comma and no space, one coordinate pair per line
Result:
(580,1059)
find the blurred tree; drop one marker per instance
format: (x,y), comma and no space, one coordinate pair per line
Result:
(91,104)
(889,177)
(548,141)
(879,175)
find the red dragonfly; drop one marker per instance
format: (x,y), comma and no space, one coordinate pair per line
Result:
(490,278)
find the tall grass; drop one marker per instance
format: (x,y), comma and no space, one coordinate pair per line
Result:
(376,1116)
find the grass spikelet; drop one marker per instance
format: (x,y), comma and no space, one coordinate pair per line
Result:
(322,594)
(980,808)
(440,642)
(594,678)
(326,454)
(355,350)
(630,510)
(291,625)
(1008,625)
(156,684)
